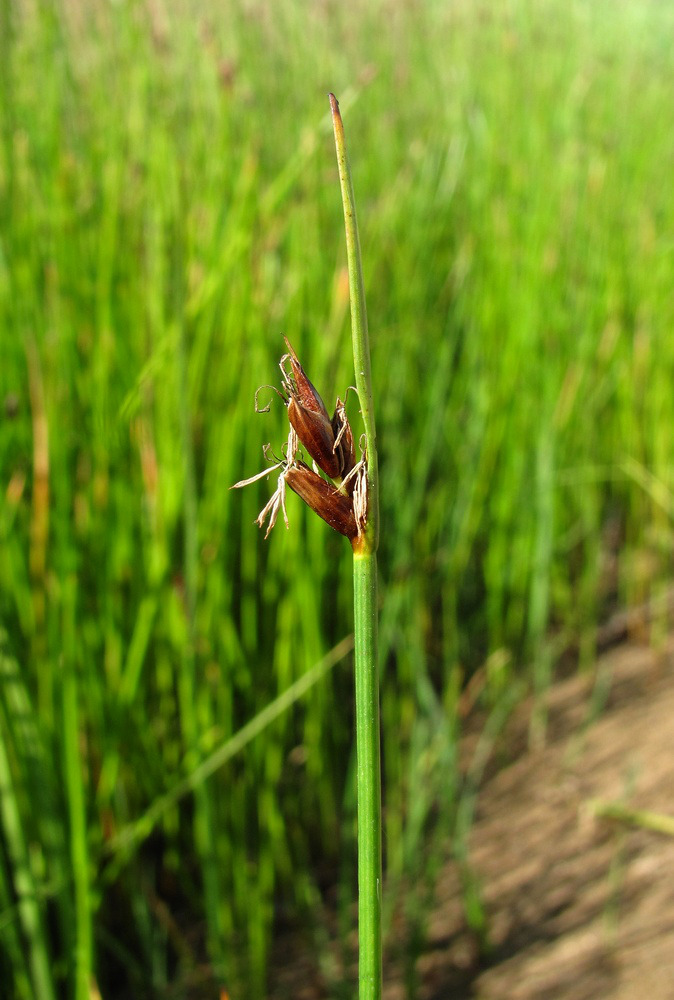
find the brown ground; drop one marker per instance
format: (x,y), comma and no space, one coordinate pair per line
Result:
(578,907)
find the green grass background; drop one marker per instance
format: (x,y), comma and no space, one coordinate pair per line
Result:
(169,206)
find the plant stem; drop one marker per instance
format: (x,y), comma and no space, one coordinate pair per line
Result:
(361,343)
(644,818)
(365,615)
(369,785)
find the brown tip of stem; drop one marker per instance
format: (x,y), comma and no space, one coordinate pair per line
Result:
(334,105)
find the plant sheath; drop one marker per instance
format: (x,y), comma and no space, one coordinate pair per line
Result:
(365,615)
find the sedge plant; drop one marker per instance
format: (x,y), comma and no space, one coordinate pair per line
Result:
(365,611)
(343,490)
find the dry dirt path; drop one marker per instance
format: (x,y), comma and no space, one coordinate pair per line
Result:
(578,907)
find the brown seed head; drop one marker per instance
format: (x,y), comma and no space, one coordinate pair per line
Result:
(299,386)
(309,417)
(323,498)
(316,434)
(330,444)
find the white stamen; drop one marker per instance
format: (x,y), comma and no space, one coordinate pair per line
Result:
(275,503)
(340,410)
(292,446)
(360,497)
(254,479)
(354,472)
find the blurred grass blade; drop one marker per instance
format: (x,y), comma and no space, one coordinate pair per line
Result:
(137,831)
(38,959)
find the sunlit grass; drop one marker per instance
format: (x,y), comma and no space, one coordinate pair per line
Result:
(167,210)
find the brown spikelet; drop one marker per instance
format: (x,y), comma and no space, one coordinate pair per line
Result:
(303,389)
(309,417)
(323,498)
(316,434)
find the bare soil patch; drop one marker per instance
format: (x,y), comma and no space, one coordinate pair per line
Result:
(578,907)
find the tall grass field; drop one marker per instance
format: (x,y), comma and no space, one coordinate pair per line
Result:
(176,693)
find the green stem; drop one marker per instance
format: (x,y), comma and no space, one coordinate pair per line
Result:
(644,818)
(361,343)
(369,785)
(365,617)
